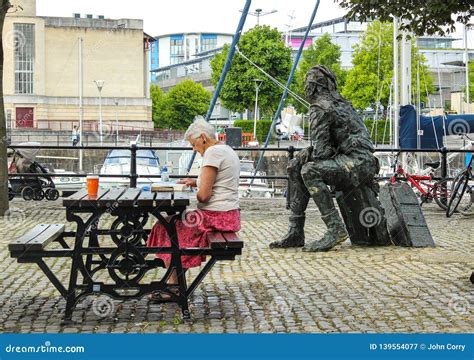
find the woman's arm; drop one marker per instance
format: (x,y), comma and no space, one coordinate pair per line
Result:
(187,182)
(208,178)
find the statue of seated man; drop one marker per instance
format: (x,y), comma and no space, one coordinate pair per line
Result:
(341,156)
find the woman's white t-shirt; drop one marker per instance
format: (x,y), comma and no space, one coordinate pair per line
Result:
(225,191)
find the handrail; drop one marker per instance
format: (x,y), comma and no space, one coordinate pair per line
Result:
(133,176)
(184,148)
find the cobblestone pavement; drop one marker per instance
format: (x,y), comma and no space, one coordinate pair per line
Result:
(349,289)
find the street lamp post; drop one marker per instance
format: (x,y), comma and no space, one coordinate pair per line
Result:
(116,101)
(258,83)
(259,12)
(100,85)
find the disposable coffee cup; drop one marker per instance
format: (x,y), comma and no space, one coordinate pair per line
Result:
(92,185)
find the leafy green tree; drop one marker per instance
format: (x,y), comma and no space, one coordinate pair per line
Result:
(420,17)
(322,52)
(265,47)
(371,77)
(178,108)
(158,100)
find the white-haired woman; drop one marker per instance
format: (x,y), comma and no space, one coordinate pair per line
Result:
(217,195)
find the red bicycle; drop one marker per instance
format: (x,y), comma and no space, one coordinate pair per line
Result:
(428,189)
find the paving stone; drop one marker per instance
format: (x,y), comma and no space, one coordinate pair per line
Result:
(350,289)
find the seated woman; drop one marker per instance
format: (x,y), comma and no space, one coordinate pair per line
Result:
(217,195)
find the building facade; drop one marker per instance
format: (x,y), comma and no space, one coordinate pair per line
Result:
(173,49)
(41,79)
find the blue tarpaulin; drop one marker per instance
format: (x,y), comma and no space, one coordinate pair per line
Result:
(453,125)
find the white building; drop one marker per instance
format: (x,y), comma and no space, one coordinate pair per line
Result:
(172,49)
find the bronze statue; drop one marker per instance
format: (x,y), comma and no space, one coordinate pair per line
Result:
(341,156)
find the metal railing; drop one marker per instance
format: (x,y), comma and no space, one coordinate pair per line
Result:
(59,138)
(133,175)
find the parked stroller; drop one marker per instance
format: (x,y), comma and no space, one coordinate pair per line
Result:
(29,188)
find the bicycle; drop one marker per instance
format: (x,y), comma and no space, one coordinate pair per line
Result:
(428,191)
(461,186)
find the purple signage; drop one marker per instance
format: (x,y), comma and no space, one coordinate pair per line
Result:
(296,42)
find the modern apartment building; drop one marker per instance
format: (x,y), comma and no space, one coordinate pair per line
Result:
(174,49)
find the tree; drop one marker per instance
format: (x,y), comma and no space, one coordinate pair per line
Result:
(420,17)
(178,108)
(3,130)
(322,52)
(265,47)
(371,77)
(158,105)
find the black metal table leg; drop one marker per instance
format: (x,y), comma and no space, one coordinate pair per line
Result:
(82,227)
(176,262)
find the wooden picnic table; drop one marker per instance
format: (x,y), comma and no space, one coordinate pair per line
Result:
(125,263)
(126,260)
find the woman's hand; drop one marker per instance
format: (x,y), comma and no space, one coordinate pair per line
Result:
(187,182)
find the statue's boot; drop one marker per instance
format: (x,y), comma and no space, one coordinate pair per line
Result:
(335,234)
(295,235)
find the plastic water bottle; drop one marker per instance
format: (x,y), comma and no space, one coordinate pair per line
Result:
(165,177)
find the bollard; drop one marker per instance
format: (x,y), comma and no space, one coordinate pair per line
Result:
(444,163)
(291,152)
(291,156)
(133,166)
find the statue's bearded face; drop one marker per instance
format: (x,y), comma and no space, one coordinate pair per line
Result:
(317,83)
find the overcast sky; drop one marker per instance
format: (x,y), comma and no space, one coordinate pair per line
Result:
(178,16)
(170,16)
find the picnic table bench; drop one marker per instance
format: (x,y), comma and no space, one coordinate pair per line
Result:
(126,260)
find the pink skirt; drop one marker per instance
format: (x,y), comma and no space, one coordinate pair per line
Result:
(192,230)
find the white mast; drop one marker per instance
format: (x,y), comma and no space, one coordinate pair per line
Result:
(81,105)
(418,106)
(405,60)
(396,110)
(405,78)
(466,61)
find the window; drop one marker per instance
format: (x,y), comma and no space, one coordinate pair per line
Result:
(187,49)
(208,42)
(176,50)
(24,35)
(155,55)
(434,43)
